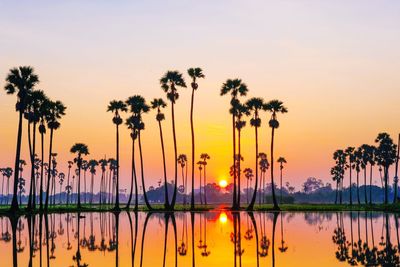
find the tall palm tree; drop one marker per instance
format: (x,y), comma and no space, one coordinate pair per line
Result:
(43,113)
(357,167)
(55,112)
(61,177)
(22,81)
(32,114)
(194,73)
(85,168)
(385,156)
(70,163)
(340,158)
(182,160)
(130,122)
(159,103)
(264,166)
(138,106)
(200,166)
(254,105)
(117,107)
(80,149)
(205,157)
(103,164)
(169,83)
(364,160)
(281,161)
(92,164)
(275,107)
(350,165)
(236,88)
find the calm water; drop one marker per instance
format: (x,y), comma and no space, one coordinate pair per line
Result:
(220,239)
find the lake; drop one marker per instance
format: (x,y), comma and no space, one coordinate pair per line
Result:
(215,238)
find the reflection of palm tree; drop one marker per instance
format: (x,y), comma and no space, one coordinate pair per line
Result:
(148,215)
(182,249)
(133,239)
(253,220)
(80,149)
(283,247)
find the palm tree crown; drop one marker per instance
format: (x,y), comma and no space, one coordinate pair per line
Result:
(169,82)
(117,106)
(195,73)
(275,106)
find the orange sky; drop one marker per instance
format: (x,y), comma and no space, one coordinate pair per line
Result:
(335,66)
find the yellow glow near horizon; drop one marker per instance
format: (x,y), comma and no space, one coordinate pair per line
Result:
(223,183)
(223,218)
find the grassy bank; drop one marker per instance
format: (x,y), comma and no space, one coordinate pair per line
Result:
(331,207)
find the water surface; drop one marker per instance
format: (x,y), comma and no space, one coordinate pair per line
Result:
(218,238)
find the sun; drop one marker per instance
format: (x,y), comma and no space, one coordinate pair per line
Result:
(223,218)
(223,183)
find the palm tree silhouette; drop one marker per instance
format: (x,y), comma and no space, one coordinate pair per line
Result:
(365,159)
(116,107)
(61,177)
(254,105)
(281,161)
(205,157)
(200,164)
(138,106)
(248,173)
(350,165)
(80,149)
(22,81)
(236,88)
(357,164)
(159,103)
(169,83)
(55,112)
(70,163)
(338,171)
(283,248)
(264,165)
(85,167)
(103,164)
(385,156)
(32,114)
(396,178)
(182,160)
(194,73)
(275,107)
(92,164)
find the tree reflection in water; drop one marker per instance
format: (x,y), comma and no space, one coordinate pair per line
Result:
(252,234)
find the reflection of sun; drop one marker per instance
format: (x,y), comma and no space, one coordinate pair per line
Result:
(223,218)
(223,183)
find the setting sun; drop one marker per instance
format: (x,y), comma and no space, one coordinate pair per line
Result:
(223,183)
(223,218)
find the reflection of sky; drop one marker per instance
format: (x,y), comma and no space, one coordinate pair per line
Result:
(334,64)
(308,236)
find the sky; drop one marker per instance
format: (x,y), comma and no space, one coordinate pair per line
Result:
(334,64)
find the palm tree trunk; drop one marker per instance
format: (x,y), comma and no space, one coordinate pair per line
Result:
(133,175)
(358,188)
(91,188)
(201,198)
(365,185)
(176,158)
(32,158)
(78,184)
(84,186)
(386,174)
(69,172)
(351,187)
(49,170)
(117,172)
(2,191)
(370,185)
(234,202)
(146,200)
(166,199)
(205,186)
(336,193)
(193,149)
(281,186)
(276,207)
(253,199)
(14,204)
(239,170)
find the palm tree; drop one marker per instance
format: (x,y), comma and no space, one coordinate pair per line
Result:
(254,105)
(169,83)
(116,107)
(55,111)
(350,165)
(364,158)
(32,114)
(80,149)
(248,173)
(130,122)
(22,81)
(385,156)
(281,161)
(205,157)
(138,106)
(396,178)
(61,177)
(182,160)
(358,166)
(159,103)
(85,167)
(92,164)
(103,164)
(194,73)
(43,113)
(236,88)
(340,158)
(274,106)
(264,165)
(200,164)
(70,163)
